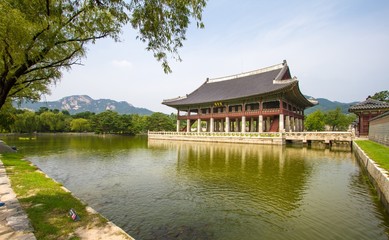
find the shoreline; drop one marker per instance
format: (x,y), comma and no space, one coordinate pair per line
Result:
(96,226)
(377,176)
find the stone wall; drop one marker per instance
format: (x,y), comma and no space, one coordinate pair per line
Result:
(379,129)
(378,176)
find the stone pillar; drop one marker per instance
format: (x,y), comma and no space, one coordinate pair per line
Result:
(287,123)
(301,128)
(297,120)
(178,125)
(302,125)
(237,125)
(292,123)
(260,124)
(281,123)
(187,125)
(243,124)
(267,126)
(198,125)
(227,129)
(211,126)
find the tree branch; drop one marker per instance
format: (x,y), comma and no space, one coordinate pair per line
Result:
(59,63)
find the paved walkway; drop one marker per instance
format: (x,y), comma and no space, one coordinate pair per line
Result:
(14,223)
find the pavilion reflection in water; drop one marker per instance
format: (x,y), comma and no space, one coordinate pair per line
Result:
(270,174)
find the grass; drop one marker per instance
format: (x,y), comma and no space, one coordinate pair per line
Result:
(45,202)
(377,152)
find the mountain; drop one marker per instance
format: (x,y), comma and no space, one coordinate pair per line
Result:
(82,103)
(327,105)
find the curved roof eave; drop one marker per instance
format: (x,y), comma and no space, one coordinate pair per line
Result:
(288,85)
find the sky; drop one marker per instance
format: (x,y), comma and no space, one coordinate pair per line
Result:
(338,49)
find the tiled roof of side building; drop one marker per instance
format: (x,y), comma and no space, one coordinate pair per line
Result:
(369,104)
(255,83)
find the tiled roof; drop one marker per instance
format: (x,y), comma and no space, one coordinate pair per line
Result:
(255,83)
(369,104)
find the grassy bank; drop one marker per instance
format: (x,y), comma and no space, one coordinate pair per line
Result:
(45,202)
(377,152)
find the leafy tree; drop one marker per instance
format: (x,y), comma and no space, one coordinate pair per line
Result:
(53,122)
(161,122)
(315,121)
(125,122)
(106,122)
(7,117)
(337,120)
(42,110)
(139,124)
(41,38)
(381,96)
(65,112)
(80,125)
(86,115)
(25,122)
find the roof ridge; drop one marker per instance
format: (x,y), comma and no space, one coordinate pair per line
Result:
(245,74)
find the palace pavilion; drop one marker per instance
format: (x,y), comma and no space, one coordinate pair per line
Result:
(264,100)
(367,110)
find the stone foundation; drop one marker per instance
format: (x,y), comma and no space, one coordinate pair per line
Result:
(378,176)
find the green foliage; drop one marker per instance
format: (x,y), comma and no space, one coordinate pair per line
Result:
(377,152)
(315,121)
(381,96)
(335,119)
(139,124)
(338,121)
(53,122)
(163,23)
(106,122)
(25,122)
(86,115)
(39,38)
(7,117)
(80,125)
(47,120)
(160,122)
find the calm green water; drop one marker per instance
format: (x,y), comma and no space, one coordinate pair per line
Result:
(186,190)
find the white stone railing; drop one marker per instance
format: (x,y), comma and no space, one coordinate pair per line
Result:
(218,134)
(302,136)
(323,136)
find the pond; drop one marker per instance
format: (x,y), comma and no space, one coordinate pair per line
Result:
(188,190)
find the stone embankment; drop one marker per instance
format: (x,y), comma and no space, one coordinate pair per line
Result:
(14,223)
(378,176)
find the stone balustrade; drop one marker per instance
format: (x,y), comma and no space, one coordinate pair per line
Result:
(254,137)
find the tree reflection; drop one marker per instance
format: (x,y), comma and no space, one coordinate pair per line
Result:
(270,175)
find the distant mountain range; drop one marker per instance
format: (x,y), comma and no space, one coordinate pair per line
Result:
(82,103)
(327,105)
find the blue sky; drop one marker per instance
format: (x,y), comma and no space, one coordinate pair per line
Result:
(338,50)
